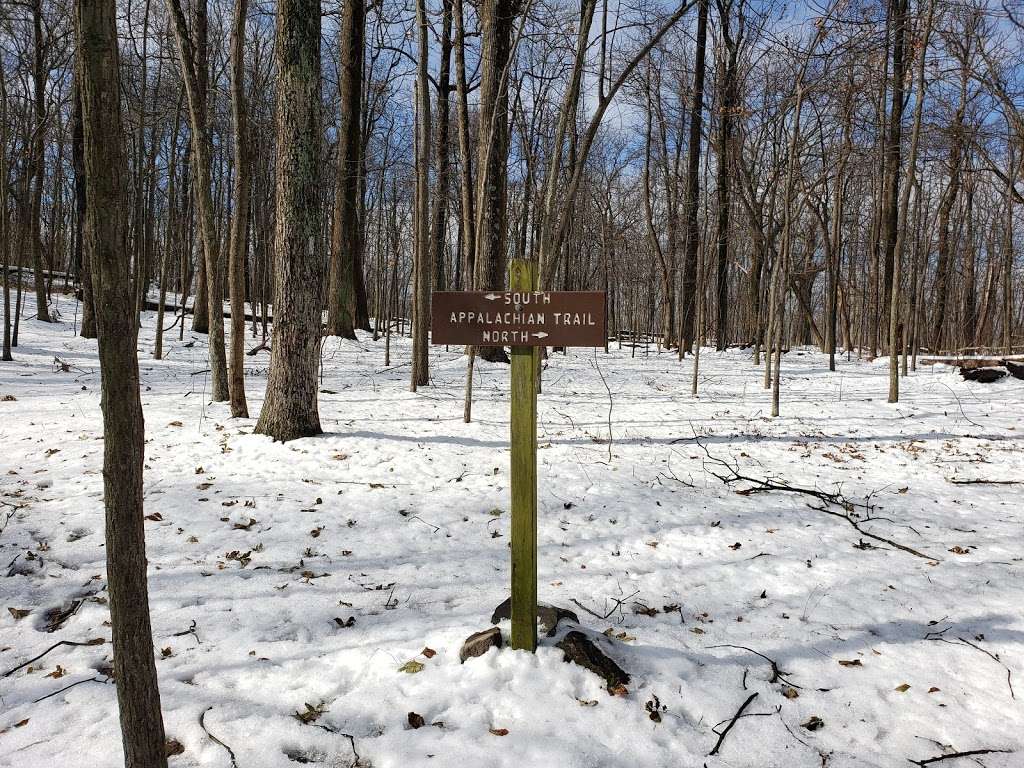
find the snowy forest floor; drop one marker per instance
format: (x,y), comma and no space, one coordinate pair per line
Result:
(398,518)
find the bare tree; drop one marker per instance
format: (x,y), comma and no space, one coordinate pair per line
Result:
(106,241)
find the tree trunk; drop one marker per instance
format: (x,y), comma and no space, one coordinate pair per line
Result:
(725,120)
(496,19)
(239,214)
(346,240)
(439,203)
(689,293)
(138,697)
(38,162)
(194,75)
(290,408)
(421,266)
(5,219)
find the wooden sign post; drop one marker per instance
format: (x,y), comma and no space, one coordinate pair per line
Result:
(523,319)
(523,428)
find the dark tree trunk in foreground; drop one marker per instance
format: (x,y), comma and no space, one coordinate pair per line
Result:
(142,728)
(346,239)
(290,408)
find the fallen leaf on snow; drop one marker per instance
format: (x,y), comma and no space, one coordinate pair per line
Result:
(499,731)
(813,723)
(903,688)
(850,663)
(411,667)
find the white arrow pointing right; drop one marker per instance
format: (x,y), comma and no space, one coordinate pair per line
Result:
(540,335)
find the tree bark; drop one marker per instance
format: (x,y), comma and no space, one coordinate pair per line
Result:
(689,292)
(138,697)
(239,214)
(346,240)
(38,162)
(194,75)
(290,408)
(420,374)
(496,20)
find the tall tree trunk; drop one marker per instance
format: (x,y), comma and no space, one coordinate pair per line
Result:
(5,218)
(38,161)
(346,239)
(290,408)
(496,20)
(239,214)
(88,328)
(893,149)
(1011,167)
(937,335)
(467,217)
(439,203)
(142,728)
(420,374)
(194,74)
(689,294)
(899,222)
(730,97)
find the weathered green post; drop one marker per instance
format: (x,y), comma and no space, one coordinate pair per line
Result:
(524,478)
(524,319)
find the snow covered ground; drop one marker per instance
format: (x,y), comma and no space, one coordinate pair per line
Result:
(313,571)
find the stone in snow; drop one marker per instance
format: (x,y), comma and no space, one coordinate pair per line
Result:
(479,643)
(579,649)
(548,616)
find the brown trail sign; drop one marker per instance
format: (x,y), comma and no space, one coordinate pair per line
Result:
(518,318)
(523,319)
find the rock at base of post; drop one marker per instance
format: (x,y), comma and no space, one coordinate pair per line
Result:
(479,643)
(579,649)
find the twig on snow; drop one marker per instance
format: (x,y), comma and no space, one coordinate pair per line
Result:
(954,755)
(777,674)
(94,641)
(202,724)
(963,641)
(614,608)
(66,687)
(739,713)
(190,631)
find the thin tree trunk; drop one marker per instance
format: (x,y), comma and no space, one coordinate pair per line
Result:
(239,214)
(346,240)
(193,65)
(138,697)
(689,295)
(38,162)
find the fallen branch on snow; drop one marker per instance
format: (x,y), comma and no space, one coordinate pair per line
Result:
(849,513)
(739,713)
(94,641)
(954,755)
